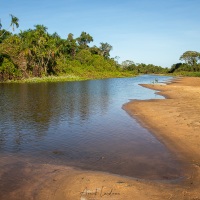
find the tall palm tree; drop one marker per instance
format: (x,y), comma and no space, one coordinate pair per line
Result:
(13,23)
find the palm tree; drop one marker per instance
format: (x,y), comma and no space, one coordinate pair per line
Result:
(13,23)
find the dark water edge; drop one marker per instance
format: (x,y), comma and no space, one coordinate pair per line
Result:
(81,124)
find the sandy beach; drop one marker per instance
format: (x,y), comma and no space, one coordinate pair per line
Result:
(175,121)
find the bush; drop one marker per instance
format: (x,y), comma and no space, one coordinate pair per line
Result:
(8,70)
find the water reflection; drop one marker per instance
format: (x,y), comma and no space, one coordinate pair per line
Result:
(29,110)
(82,124)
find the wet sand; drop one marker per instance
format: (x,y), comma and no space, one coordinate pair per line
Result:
(175,121)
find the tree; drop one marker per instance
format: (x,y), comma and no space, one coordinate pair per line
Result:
(40,50)
(14,22)
(11,58)
(127,63)
(84,40)
(84,56)
(71,45)
(35,52)
(12,47)
(8,70)
(105,49)
(4,34)
(95,50)
(191,58)
(179,67)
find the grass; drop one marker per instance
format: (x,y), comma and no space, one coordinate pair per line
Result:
(88,75)
(61,78)
(73,77)
(183,73)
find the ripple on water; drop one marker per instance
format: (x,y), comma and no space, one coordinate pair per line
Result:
(82,124)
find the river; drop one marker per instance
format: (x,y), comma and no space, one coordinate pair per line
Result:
(82,124)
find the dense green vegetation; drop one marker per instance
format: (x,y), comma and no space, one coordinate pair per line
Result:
(190,67)
(36,53)
(141,68)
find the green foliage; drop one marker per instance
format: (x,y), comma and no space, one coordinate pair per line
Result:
(191,64)
(184,73)
(191,67)
(191,57)
(105,49)
(8,70)
(143,68)
(70,46)
(11,48)
(84,57)
(14,22)
(4,35)
(180,67)
(95,50)
(84,40)
(125,64)
(36,53)
(40,50)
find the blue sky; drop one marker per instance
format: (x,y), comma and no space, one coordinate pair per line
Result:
(144,31)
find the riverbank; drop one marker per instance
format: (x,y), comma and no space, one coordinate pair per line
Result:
(73,77)
(175,121)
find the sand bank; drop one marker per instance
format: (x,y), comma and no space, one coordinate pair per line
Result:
(175,121)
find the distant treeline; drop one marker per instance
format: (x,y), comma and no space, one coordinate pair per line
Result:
(141,68)
(191,66)
(37,53)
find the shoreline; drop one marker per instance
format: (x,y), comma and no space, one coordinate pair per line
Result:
(174,121)
(164,117)
(70,77)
